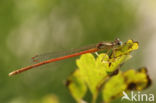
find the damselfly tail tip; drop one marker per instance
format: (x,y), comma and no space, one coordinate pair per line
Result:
(11,74)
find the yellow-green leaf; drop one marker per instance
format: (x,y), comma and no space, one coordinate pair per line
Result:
(92,70)
(126,48)
(113,88)
(76,86)
(124,81)
(137,80)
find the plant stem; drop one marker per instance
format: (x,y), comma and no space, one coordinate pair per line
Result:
(94,98)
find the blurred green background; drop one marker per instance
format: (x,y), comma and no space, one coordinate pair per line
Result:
(34,27)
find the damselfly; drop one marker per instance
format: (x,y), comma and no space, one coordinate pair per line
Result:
(91,49)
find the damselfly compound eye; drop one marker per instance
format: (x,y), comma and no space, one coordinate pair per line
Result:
(119,43)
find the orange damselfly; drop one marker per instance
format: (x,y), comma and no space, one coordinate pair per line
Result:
(91,49)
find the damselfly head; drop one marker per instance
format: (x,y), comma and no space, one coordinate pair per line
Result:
(118,42)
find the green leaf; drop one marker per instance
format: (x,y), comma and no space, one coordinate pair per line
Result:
(116,62)
(126,48)
(113,88)
(76,86)
(124,81)
(137,80)
(121,54)
(92,70)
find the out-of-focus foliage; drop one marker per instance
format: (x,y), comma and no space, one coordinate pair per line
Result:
(95,74)
(50,99)
(46,99)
